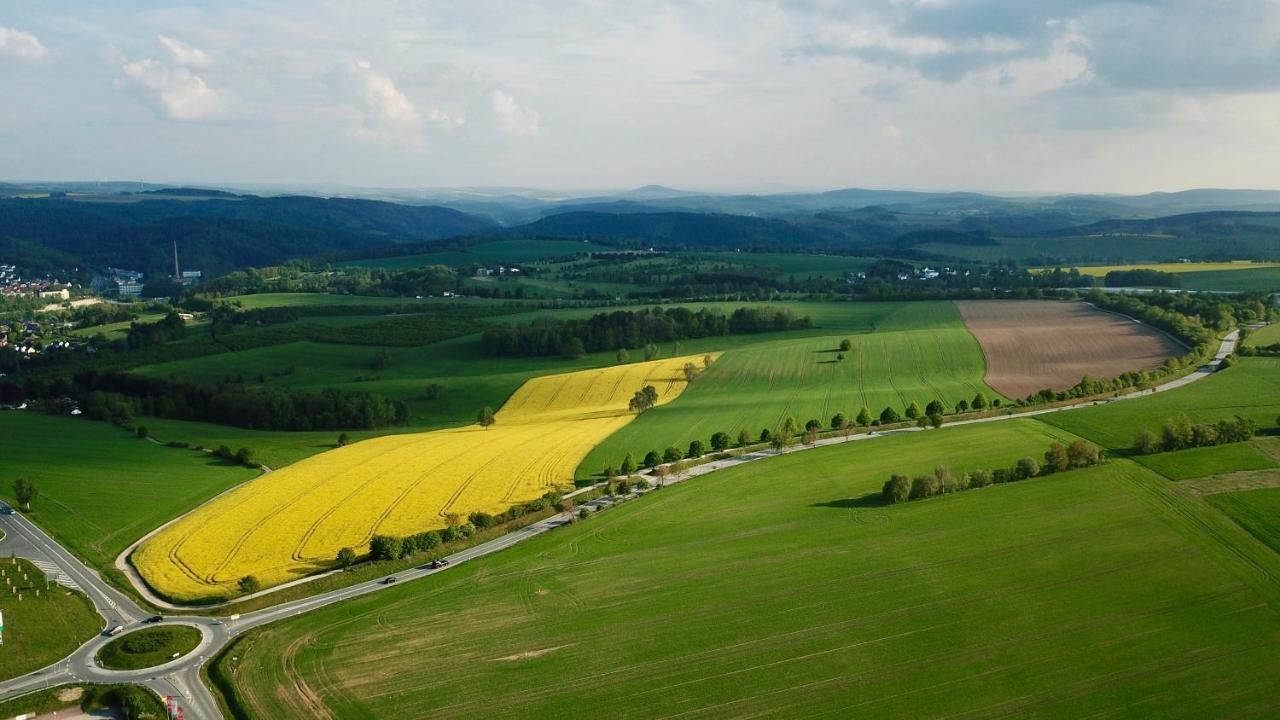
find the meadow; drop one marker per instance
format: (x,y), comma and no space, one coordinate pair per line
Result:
(1257,511)
(917,352)
(101,487)
(1267,335)
(780,588)
(293,521)
(510,252)
(40,630)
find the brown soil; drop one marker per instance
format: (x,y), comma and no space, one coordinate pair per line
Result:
(1032,345)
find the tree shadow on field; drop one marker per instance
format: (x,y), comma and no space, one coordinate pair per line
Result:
(828,351)
(828,362)
(869,500)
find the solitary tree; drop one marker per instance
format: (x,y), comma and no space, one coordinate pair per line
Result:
(766,435)
(344,439)
(706,361)
(812,425)
(485,417)
(864,417)
(645,398)
(979,402)
(690,371)
(249,585)
(846,345)
(346,557)
(622,355)
(25,491)
(811,436)
(839,357)
(661,472)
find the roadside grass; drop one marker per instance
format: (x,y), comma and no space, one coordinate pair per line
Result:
(1250,389)
(780,588)
(44,629)
(148,647)
(1202,462)
(918,352)
(1257,511)
(100,487)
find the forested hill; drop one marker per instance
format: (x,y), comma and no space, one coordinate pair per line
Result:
(216,234)
(683,230)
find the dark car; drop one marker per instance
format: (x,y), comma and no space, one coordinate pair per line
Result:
(153,620)
(388,580)
(437,564)
(6,510)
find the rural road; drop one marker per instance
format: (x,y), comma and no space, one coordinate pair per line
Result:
(181,677)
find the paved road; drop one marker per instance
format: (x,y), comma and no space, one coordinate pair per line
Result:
(182,676)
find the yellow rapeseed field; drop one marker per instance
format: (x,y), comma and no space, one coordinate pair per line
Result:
(1102,270)
(293,521)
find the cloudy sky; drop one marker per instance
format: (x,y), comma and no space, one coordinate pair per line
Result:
(1003,95)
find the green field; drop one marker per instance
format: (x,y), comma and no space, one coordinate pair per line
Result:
(115,331)
(1250,389)
(148,647)
(777,589)
(1251,280)
(1257,511)
(100,487)
(286,299)
(834,266)
(40,630)
(510,252)
(1201,462)
(917,352)
(1268,335)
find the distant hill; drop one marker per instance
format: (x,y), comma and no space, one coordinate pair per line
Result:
(215,235)
(678,230)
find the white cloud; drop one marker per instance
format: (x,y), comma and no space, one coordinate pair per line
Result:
(176,91)
(513,118)
(185,54)
(384,113)
(20,45)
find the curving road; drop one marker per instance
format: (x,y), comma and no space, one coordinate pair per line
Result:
(181,677)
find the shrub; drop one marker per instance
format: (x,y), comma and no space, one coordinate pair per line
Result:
(1055,458)
(1146,443)
(1027,467)
(1082,454)
(719,441)
(249,585)
(896,489)
(837,421)
(979,478)
(744,437)
(914,411)
(935,420)
(864,417)
(935,407)
(924,486)
(628,465)
(652,458)
(888,416)
(672,454)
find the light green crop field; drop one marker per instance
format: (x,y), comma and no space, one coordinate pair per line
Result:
(42,629)
(115,331)
(776,590)
(1247,280)
(286,299)
(509,252)
(793,264)
(918,352)
(1201,462)
(1250,389)
(101,488)
(1257,511)
(1267,335)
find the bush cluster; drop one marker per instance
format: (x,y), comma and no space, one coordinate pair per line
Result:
(1179,433)
(1058,458)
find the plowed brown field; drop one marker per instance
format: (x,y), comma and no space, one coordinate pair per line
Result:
(1032,345)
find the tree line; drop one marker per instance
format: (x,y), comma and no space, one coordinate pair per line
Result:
(631,329)
(1058,458)
(1179,433)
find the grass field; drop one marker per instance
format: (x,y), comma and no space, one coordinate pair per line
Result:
(1257,511)
(100,487)
(510,252)
(292,522)
(148,647)
(918,352)
(1250,389)
(285,299)
(1268,335)
(40,630)
(775,590)
(1201,462)
(1246,280)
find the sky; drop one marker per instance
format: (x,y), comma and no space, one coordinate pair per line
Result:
(987,95)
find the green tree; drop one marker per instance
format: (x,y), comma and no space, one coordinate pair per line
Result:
(706,361)
(720,441)
(572,349)
(766,435)
(385,547)
(935,420)
(346,557)
(622,355)
(979,478)
(1177,433)
(381,360)
(1082,454)
(744,437)
(628,465)
(25,492)
(672,454)
(248,585)
(896,489)
(690,371)
(1056,458)
(914,411)
(244,456)
(837,421)
(696,450)
(485,417)
(811,425)
(924,486)
(864,417)
(343,439)
(979,401)
(1027,467)
(888,416)
(142,432)
(846,345)
(935,407)
(434,391)
(652,459)
(1146,443)
(651,351)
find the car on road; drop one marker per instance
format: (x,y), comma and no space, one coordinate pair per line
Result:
(114,630)
(437,564)
(389,580)
(153,620)
(6,510)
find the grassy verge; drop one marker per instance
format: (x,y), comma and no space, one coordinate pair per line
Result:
(137,703)
(148,647)
(40,629)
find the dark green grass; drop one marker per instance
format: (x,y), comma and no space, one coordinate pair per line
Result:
(40,630)
(148,647)
(1202,462)
(776,590)
(489,253)
(1254,279)
(1257,511)
(918,352)
(100,487)
(1250,389)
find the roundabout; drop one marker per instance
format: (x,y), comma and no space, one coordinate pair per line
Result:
(150,647)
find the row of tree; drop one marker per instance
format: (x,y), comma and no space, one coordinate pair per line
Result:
(1058,458)
(1179,433)
(631,329)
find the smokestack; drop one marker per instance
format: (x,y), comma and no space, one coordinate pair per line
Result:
(177,274)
